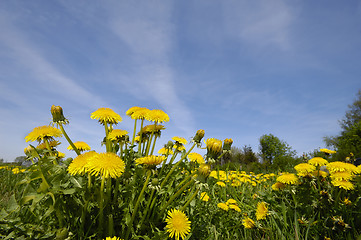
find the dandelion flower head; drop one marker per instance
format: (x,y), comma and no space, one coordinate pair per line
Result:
(179,140)
(347,185)
(204,197)
(287,178)
(248,223)
(140,113)
(317,161)
(178,224)
(157,116)
(165,151)
(43,132)
(196,157)
(261,211)
(117,134)
(107,165)
(79,164)
(81,146)
(150,160)
(106,115)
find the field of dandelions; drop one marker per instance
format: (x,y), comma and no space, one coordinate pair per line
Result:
(134,191)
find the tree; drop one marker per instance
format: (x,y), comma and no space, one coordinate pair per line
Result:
(349,140)
(273,150)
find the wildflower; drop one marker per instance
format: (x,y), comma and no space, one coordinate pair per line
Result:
(17,170)
(106,115)
(112,238)
(43,132)
(179,140)
(248,223)
(178,224)
(341,175)
(204,169)
(304,169)
(52,144)
(204,197)
(150,160)
(227,143)
(61,155)
(199,135)
(319,173)
(222,184)
(214,145)
(346,201)
(140,113)
(261,211)
(234,207)
(58,116)
(343,184)
(179,148)
(81,146)
(341,167)
(287,178)
(117,135)
(231,202)
(325,150)
(165,151)
(157,116)
(132,110)
(107,165)
(277,186)
(223,206)
(317,161)
(79,164)
(153,128)
(196,157)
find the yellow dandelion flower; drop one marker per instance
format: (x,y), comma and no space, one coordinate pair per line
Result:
(248,223)
(261,211)
(358,169)
(341,167)
(17,170)
(231,202)
(304,169)
(179,140)
(287,178)
(43,132)
(223,206)
(204,169)
(157,116)
(227,143)
(132,110)
(222,184)
(117,135)
(343,184)
(112,238)
(346,201)
(165,151)
(150,160)
(79,164)
(325,150)
(61,155)
(107,165)
(234,207)
(214,145)
(81,146)
(178,224)
(341,175)
(140,113)
(317,161)
(179,148)
(106,115)
(153,128)
(319,173)
(196,157)
(278,186)
(204,197)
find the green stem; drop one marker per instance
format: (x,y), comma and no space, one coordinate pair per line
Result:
(140,136)
(68,139)
(137,204)
(170,162)
(176,165)
(189,201)
(107,142)
(101,208)
(135,129)
(147,208)
(155,139)
(150,139)
(175,196)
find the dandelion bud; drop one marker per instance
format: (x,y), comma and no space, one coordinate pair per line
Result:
(199,135)
(169,145)
(227,143)
(204,169)
(58,116)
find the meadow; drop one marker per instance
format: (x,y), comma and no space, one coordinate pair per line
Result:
(134,191)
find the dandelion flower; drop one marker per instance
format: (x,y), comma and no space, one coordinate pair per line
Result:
(304,168)
(346,201)
(343,184)
(132,110)
(214,145)
(178,224)
(157,116)
(179,148)
(107,165)
(196,157)
(112,238)
(248,223)
(319,173)
(150,160)
(261,211)
(81,146)
(180,140)
(231,202)
(317,161)
(277,186)
(106,115)
(287,178)
(222,184)
(79,164)
(140,113)
(204,197)
(223,206)
(43,132)
(117,134)
(341,175)
(234,207)
(165,151)
(325,150)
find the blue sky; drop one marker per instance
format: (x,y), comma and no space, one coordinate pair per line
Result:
(237,69)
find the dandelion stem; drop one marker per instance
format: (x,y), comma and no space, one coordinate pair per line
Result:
(137,204)
(140,136)
(190,200)
(68,139)
(101,207)
(135,129)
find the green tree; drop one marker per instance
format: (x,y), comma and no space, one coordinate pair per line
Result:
(349,139)
(276,152)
